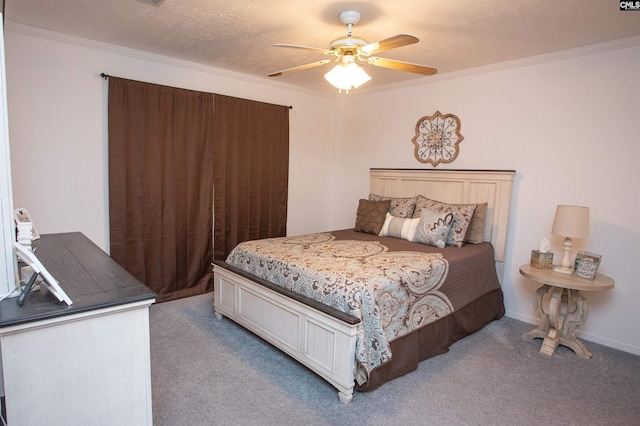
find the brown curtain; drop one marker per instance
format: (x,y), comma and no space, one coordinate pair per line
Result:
(251,172)
(160,185)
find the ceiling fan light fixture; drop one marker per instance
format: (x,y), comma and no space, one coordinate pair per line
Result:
(347,76)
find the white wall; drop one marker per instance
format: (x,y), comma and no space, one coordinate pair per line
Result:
(7,233)
(58,128)
(569,127)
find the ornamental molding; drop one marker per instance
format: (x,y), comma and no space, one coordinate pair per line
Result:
(437,138)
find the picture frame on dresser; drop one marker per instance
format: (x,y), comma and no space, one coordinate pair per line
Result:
(29,258)
(587,264)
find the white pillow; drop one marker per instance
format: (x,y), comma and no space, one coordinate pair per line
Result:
(399,227)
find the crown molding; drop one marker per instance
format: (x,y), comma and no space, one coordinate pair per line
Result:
(624,43)
(507,65)
(150,57)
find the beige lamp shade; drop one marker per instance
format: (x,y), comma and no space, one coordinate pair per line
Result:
(571,221)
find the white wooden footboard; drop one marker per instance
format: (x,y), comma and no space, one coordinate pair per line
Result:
(320,341)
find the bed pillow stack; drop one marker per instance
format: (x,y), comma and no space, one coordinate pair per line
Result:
(423,220)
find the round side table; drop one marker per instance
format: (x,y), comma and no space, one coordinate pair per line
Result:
(558,324)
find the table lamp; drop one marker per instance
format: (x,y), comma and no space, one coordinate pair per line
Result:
(570,222)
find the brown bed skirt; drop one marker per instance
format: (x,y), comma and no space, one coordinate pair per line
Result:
(436,338)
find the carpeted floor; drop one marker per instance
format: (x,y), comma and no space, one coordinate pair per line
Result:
(210,372)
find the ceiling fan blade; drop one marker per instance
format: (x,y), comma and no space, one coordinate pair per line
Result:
(299,68)
(401,66)
(389,43)
(296,46)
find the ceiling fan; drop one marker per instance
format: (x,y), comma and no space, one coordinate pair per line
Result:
(351,49)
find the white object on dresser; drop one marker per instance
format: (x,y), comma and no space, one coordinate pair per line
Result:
(26,231)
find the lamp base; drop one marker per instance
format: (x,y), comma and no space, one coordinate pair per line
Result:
(563,270)
(565,264)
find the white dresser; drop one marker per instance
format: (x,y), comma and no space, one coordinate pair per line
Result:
(84,364)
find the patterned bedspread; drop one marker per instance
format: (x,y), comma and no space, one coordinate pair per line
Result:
(392,292)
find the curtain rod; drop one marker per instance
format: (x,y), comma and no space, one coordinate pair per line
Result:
(106,77)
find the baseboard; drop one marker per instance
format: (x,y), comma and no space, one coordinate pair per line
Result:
(524,318)
(605,341)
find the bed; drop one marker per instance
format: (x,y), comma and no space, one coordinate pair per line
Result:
(333,334)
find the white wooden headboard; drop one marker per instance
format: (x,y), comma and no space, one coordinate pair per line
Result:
(455,187)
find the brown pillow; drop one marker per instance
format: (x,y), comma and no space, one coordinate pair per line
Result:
(475,233)
(370,216)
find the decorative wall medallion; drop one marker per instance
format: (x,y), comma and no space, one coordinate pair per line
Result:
(437,138)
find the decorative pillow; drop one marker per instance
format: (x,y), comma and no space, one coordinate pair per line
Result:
(462,214)
(475,232)
(398,227)
(370,216)
(433,228)
(400,207)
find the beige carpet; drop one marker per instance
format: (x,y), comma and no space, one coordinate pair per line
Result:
(210,372)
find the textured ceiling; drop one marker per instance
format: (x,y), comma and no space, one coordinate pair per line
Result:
(237,35)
